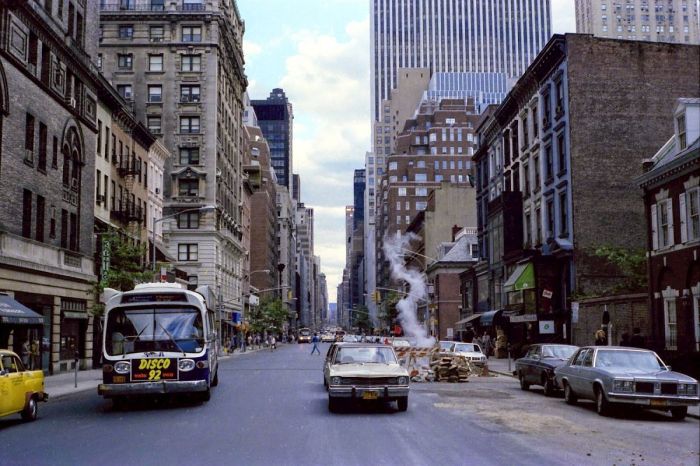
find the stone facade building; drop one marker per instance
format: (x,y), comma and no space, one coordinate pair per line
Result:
(181,65)
(669,21)
(672,208)
(48,126)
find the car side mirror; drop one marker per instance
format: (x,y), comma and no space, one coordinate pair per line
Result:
(668,368)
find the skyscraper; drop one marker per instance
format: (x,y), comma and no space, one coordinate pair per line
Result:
(275,118)
(454,36)
(672,21)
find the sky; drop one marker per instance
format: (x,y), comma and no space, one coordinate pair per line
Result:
(318,52)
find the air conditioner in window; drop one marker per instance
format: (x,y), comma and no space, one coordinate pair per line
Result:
(29,155)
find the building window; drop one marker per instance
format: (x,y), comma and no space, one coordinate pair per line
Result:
(549,163)
(538,225)
(40,212)
(670,331)
(156,33)
(189,93)
(528,229)
(535,125)
(29,138)
(690,214)
(187,252)
(191,34)
(682,143)
(560,98)
(526,179)
(188,220)
(188,188)
(155,63)
(125,61)
(421,177)
(563,215)
(155,93)
(43,143)
(154,124)
(402,192)
(550,218)
(27,213)
(125,91)
(421,205)
(561,152)
(126,31)
(189,155)
(192,5)
(421,191)
(536,164)
(665,221)
(189,124)
(526,132)
(191,63)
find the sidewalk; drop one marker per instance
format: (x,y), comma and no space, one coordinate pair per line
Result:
(63,384)
(500,366)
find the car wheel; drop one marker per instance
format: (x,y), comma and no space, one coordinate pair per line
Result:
(523,385)
(215,382)
(402,403)
(547,385)
(678,413)
(333,404)
(31,411)
(569,395)
(602,405)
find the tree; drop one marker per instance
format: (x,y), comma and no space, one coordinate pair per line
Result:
(361,318)
(388,312)
(126,268)
(271,313)
(631,264)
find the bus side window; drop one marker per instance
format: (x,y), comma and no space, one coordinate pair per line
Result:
(210,321)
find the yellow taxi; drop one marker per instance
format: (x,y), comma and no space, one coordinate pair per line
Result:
(20,388)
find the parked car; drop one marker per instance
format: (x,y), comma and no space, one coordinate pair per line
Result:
(364,372)
(612,375)
(327,338)
(20,389)
(471,351)
(400,343)
(538,365)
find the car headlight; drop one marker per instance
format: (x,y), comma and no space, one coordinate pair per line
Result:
(402,380)
(122,367)
(336,380)
(185,365)
(623,386)
(691,389)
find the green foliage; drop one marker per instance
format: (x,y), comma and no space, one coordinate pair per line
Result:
(361,318)
(127,268)
(271,313)
(631,264)
(387,310)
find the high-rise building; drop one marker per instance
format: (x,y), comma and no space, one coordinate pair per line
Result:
(275,118)
(454,36)
(167,61)
(668,21)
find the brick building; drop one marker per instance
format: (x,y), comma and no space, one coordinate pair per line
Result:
(435,146)
(569,146)
(672,207)
(48,125)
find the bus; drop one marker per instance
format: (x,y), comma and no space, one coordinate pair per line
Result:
(159,339)
(304,335)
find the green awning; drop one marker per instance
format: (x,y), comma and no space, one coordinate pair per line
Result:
(523,278)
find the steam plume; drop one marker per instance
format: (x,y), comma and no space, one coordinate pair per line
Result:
(408,307)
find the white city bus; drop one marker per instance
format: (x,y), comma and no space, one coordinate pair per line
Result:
(159,338)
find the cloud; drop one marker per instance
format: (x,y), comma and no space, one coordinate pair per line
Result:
(563,16)
(251,49)
(327,81)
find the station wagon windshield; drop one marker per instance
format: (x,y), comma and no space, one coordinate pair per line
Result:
(467,348)
(638,360)
(154,329)
(559,352)
(376,355)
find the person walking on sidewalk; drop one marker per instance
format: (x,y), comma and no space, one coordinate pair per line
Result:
(314,340)
(273,343)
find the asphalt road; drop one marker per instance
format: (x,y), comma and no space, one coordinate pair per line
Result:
(271,408)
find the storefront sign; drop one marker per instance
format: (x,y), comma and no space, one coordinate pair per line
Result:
(547,294)
(546,326)
(523,318)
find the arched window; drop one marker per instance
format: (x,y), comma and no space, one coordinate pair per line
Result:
(66,166)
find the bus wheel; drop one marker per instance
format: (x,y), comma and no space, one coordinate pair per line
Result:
(215,382)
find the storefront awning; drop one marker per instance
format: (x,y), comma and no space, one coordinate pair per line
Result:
(460,324)
(12,312)
(487,318)
(523,278)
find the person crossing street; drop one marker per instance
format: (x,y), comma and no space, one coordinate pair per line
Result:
(315,340)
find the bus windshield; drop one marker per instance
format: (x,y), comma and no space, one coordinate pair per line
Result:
(137,330)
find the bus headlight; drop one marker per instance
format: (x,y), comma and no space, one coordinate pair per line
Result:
(185,365)
(122,367)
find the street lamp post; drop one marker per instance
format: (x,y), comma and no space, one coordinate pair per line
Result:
(155,220)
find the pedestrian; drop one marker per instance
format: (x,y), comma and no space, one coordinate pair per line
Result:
(25,353)
(625,341)
(314,340)
(273,343)
(486,343)
(637,339)
(600,338)
(34,350)
(250,341)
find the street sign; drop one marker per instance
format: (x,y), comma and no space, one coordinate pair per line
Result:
(547,294)
(546,327)
(450,332)
(523,318)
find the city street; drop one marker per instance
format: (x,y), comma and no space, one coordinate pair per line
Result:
(271,408)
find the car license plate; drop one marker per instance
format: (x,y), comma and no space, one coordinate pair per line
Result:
(658,403)
(119,379)
(370,395)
